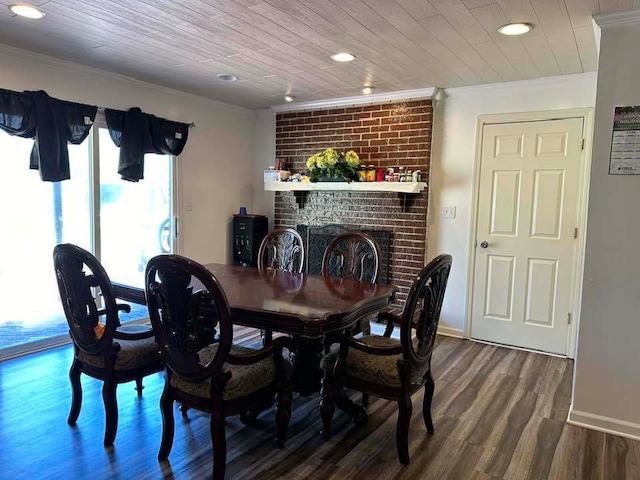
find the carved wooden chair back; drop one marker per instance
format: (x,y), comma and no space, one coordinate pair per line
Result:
(177,291)
(81,282)
(282,249)
(353,255)
(421,314)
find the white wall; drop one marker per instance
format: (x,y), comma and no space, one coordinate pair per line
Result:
(607,377)
(264,157)
(453,158)
(216,169)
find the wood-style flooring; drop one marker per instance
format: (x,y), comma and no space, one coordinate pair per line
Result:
(498,413)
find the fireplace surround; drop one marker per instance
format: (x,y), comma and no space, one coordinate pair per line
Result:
(384,135)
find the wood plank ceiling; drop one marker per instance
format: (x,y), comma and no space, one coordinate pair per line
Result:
(279,47)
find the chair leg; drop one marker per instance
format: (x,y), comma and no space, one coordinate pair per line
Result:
(218,439)
(168,425)
(327,403)
(426,403)
(111,411)
(76,388)
(365,400)
(283,414)
(402,429)
(139,386)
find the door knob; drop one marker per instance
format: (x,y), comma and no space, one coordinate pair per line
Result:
(484,244)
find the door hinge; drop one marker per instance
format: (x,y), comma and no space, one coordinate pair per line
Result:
(582,144)
(575,232)
(568,318)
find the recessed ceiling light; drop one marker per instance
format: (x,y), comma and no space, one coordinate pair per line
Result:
(367,90)
(289,98)
(226,77)
(26,10)
(515,28)
(342,57)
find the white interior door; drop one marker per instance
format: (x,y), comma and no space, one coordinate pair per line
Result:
(525,246)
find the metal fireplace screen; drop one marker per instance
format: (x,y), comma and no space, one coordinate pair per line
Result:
(316,239)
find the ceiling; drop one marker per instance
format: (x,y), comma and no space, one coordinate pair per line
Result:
(279,47)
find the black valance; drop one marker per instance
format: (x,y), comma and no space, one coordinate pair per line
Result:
(51,122)
(138,133)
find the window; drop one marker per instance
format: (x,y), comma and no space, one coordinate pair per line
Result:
(134,222)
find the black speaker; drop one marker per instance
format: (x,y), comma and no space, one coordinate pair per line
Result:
(248,232)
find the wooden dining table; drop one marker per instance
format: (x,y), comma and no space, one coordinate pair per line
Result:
(307,307)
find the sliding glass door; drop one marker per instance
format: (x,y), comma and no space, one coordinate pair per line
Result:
(133,222)
(35,216)
(135,218)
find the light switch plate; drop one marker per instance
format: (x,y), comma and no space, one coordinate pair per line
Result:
(448,212)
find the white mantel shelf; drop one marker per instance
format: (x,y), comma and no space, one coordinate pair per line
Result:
(400,187)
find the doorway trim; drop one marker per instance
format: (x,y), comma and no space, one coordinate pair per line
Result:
(586,114)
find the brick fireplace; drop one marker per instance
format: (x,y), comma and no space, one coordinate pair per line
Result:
(384,135)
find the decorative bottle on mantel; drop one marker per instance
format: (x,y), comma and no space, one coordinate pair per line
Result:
(362,174)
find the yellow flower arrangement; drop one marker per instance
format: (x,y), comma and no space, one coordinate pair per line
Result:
(330,164)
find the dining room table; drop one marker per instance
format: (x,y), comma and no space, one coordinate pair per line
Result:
(312,309)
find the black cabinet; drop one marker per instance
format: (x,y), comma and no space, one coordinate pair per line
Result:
(248,232)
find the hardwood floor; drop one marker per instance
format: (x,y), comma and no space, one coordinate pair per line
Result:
(498,413)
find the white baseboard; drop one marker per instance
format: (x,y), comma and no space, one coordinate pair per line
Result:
(604,424)
(450,332)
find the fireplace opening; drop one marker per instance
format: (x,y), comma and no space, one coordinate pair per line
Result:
(316,238)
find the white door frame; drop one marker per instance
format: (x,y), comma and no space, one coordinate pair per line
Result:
(586,114)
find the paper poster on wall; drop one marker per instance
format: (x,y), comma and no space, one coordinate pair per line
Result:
(625,144)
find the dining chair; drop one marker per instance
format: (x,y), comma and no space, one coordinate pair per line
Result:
(389,368)
(102,348)
(353,255)
(205,371)
(281,249)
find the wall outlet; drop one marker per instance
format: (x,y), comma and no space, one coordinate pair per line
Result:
(188,204)
(448,212)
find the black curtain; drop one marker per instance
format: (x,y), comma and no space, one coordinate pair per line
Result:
(51,122)
(138,133)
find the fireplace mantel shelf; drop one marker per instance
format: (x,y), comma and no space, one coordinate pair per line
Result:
(400,187)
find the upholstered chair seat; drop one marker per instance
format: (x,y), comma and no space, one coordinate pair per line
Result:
(376,369)
(132,354)
(245,379)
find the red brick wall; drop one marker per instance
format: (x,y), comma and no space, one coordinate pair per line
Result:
(385,135)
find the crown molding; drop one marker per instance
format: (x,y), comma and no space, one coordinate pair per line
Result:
(626,18)
(67,65)
(359,100)
(559,80)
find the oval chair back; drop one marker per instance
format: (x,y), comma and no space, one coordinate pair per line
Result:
(282,249)
(81,280)
(421,313)
(178,291)
(353,255)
